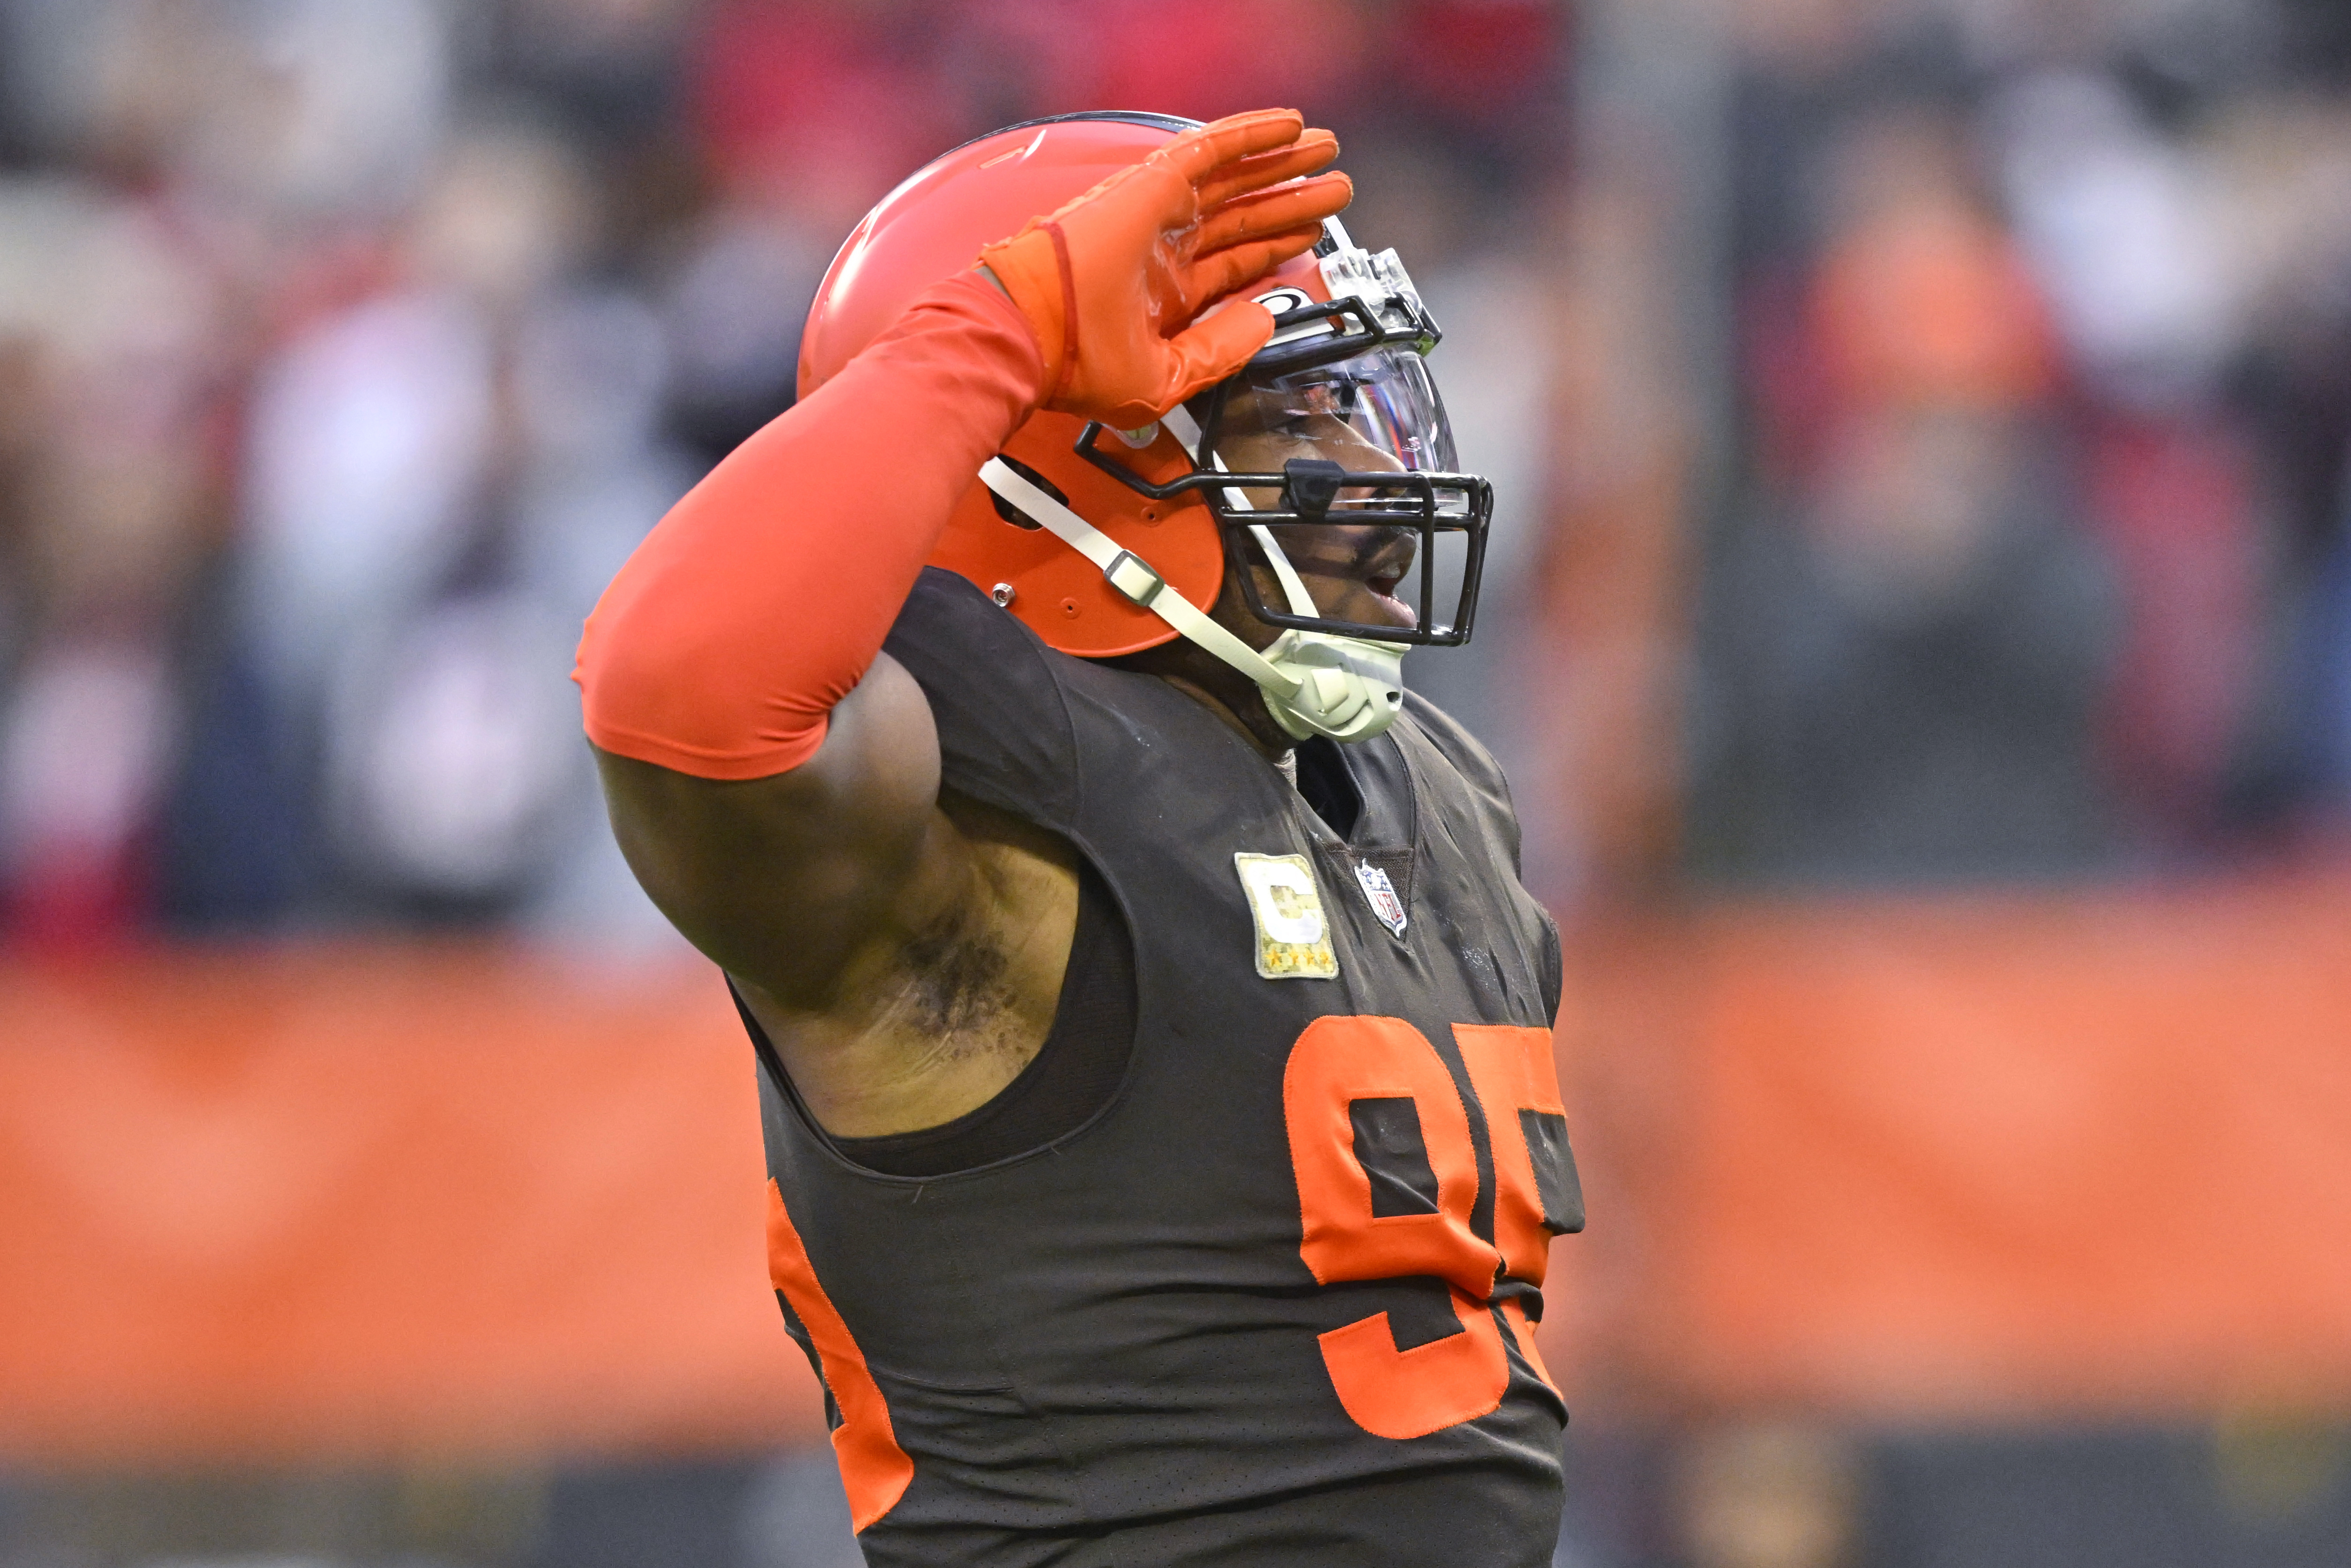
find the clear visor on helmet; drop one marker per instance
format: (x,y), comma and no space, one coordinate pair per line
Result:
(1378,412)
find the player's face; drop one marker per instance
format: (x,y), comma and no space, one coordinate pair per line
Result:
(1351,570)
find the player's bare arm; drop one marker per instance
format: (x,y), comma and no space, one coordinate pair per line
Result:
(904,951)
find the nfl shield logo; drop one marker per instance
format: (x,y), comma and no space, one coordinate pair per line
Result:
(1381,894)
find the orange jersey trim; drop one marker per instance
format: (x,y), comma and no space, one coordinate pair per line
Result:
(875,1471)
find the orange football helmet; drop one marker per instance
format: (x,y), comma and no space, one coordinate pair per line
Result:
(1350,337)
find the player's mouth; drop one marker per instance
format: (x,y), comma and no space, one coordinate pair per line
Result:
(1390,565)
(1364,572)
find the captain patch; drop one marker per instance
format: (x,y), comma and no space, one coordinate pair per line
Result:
(1293,936)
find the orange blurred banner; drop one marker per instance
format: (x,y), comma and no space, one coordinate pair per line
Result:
(366,1203)
(2012,1157)
(2007,1157)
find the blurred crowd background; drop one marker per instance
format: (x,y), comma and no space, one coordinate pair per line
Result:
(1920,430)
(1920,424)
(2034,562)
(349,346)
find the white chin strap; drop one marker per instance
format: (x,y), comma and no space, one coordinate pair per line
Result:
(1348,688)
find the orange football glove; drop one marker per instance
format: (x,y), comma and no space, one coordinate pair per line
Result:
(1113,283)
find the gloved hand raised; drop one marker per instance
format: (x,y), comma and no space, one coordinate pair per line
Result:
(1114,281)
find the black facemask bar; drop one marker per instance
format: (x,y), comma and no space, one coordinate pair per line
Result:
(1311,491)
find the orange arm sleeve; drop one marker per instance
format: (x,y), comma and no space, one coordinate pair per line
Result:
(762,597)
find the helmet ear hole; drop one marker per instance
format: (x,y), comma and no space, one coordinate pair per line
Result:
(1014,515)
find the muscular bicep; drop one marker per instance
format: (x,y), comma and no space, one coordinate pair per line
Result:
(790,881)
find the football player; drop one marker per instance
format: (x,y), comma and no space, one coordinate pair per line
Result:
(1153,1034)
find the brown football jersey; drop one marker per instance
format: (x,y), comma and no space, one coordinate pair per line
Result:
(1273,1300)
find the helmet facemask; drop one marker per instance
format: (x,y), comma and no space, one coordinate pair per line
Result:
(1330,448)
(1335,424)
